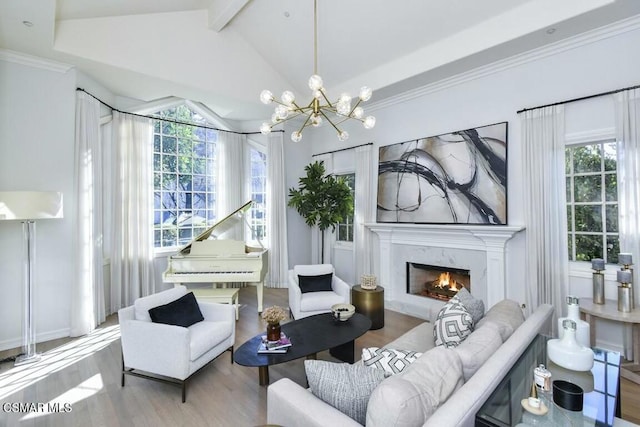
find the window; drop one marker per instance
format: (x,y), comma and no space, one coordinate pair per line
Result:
(258,192)
(592,201)
(184,165)
(345,228)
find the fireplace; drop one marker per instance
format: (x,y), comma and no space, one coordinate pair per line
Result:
(437,282)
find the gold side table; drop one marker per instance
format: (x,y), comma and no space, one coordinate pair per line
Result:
(370,303)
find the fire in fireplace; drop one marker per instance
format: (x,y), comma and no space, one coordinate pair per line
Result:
(441,283)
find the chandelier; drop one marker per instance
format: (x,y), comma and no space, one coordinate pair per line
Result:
(320,107)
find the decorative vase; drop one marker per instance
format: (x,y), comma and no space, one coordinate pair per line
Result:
(273,331)
(567,352)
(597,264)
(583,335)
(368,282)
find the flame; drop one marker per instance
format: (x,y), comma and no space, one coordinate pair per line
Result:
(445,281)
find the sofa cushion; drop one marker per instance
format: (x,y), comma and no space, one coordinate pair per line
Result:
(345,387)
(474,306)
(409,398)
(182,312)
(420,338)
(206,335)
(321,283)
(313,301)
(390,360)
(506,315)
(452,325)
(477,348)
(142,305)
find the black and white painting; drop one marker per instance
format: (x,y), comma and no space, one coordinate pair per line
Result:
(454,178)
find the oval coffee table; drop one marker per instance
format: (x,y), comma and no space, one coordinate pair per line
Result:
(308,336)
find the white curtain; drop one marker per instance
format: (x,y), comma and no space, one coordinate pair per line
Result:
(230,177)
(628,138)
(87,298)
(132,235)
(277,212)
(547,271)
(364,210)
(316,234)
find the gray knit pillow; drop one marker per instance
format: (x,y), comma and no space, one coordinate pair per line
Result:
(474,306)
(345,387)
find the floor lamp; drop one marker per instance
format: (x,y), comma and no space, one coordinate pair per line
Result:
(28,206)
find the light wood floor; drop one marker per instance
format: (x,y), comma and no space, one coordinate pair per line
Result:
(222,394)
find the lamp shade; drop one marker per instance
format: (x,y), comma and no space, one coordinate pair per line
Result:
(23,205)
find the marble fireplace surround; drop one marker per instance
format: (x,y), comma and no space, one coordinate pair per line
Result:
(480,249)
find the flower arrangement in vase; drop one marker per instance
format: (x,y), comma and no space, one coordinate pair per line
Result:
(273,316)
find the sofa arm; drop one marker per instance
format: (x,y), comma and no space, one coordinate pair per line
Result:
(217,312)
(289,404)
(294,293)
(155,347)
(342,288)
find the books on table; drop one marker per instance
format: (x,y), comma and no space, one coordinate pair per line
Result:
(272,347)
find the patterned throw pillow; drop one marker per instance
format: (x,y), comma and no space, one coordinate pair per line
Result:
(474,306)
(391,361)
(452,325)
(345,387)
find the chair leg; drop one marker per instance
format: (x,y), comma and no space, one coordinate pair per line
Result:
(231,349)
(122,372)
(184,391)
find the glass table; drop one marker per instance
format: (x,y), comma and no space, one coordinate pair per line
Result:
(601,388)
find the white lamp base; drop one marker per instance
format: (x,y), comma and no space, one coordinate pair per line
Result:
(25,359)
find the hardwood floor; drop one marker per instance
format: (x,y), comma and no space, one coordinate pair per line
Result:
(85,373)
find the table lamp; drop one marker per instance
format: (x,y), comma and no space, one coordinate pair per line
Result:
(28,206)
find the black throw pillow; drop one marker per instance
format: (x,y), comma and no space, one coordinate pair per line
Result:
(315,283)
(182,312)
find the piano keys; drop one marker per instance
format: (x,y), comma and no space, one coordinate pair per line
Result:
(210,258)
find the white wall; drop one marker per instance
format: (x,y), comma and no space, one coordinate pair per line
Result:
(583,66)
(37,109)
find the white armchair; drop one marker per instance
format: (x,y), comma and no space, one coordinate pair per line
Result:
(303,304)
(170,351)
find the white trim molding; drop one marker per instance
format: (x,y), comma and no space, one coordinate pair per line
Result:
(34,61)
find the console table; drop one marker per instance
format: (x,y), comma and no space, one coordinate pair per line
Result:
(609,310)
(600,385)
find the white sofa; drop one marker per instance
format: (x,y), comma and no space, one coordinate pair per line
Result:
(289,404)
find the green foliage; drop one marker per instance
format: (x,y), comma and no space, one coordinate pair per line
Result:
(322,200)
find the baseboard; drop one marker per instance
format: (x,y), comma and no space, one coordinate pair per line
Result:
(16,343)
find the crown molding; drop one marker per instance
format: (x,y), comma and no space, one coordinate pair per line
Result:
(34,61)
(586,38)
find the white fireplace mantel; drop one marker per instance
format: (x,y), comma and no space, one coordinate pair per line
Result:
(489,239)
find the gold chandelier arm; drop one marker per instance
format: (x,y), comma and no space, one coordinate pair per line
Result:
(305,124)
(330,122)
(324,95)
(354,107)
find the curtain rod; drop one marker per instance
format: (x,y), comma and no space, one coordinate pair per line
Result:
(581,98)
(165,119)
(342,149)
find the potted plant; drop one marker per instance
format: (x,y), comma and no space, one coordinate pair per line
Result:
(322,200)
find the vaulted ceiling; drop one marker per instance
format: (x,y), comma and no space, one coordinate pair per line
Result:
(224,52)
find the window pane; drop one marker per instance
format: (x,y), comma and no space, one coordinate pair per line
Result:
(613,248)
(612,218)
(587,158)
(588,218)
(587,188)
(570,218)
(567,160)
(588,247)
(169,163)
(611,187)
(169,145)
(610,156)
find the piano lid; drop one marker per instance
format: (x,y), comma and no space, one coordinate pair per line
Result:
(220,227)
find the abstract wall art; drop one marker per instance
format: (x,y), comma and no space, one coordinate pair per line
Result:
(454,178)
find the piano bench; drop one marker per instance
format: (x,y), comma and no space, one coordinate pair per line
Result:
(223,295)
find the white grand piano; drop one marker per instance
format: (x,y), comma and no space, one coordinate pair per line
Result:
(210,258)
